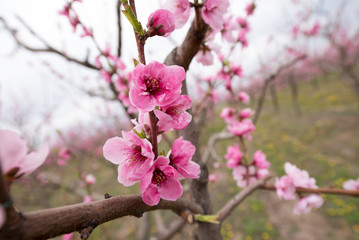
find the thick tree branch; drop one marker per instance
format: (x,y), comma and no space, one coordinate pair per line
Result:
(270,79)
(227,209)
(44,224)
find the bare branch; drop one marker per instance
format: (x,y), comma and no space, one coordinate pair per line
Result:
(335,191)
(174,228)
(210,149)
(48,47)
(268,80)
(44,224)
(227,209)
(119,27)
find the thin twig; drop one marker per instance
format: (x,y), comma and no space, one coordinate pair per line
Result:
(227,209)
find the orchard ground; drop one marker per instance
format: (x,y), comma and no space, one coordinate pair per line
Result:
(323,140)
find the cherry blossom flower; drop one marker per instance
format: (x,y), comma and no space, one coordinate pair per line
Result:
(243,24)
(213,11)
(242,128)
(228,27)
(181,156)
(155,84)
(236,69)
(14,155)
(228,114)
(160,181)
(181,10)
(205,57)
(242,38)
(351,184)
(243,97)
(244,176)
(133,154)
(87,199)
(246,113)
(285,188)
(250,8)
(177,111)
(300,177)
(260,160)
(306,204)
(90,179)
(161,22)
(233,156)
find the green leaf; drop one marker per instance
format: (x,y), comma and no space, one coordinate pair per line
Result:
(135,62)
(207,218)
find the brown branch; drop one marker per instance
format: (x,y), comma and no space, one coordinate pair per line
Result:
(270,79)
(44,224)
(335,191)
(175,226)
(227,209)
(48,47)
(119,27)
(5,200)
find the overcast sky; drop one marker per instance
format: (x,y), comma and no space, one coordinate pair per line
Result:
(27,84)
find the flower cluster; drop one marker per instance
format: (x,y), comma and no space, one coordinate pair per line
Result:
(245,173)
(287,184)
(155,90)
(351,184)
(69,12)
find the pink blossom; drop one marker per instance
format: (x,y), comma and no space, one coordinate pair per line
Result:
(244,176)
(2,216)
(242,128)
(160,181)
(227,114)
(250,8)
(133,154)
(243,97)
(313,31)
(351,184)
(205,57)
(306,204)
(87,32)
(161,22)
(242,38)
(233,156)
(300,177)
(155,84)
(177,111)
(213,11)
(164,123)
(90,179)
(214,177)
(243,24)
(236,69)
(14,154)
(260,160)
(68,236)
(105,75)
(181,156)
(246,113)
(87,199)
(228,27)
(261,173)
(285,188)
(181,10)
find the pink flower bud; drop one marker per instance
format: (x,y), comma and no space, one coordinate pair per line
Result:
(90,179)
(161,22)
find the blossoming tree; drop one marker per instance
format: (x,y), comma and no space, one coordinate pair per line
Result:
(156,100)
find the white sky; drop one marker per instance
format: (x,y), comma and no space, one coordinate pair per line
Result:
(28,86)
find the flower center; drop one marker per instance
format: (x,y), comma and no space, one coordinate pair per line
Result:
(152,84)
(136,156)
(158,177)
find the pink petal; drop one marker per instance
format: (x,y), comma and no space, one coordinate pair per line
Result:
(171,189)
(35,159)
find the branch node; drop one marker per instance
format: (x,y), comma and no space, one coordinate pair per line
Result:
(86,232)
(107,196)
